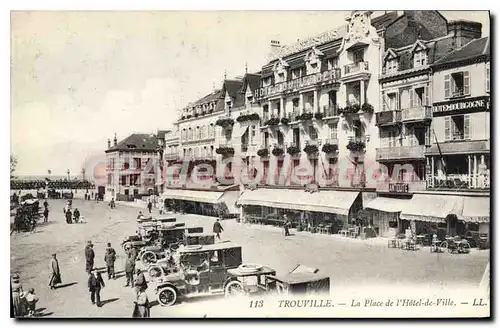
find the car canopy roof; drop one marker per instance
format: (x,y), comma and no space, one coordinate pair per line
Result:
(299,277)
(212,247)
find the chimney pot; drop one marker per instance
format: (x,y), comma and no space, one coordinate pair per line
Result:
(109,143)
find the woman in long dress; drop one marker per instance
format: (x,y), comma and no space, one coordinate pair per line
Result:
(17,289)
(141,308)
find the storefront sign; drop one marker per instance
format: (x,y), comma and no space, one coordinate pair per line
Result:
(398,187)
(462,104)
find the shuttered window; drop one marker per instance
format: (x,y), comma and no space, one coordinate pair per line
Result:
(447,128)
(488,78)
(447,86)
(466,83)
(426,96)
(466,126)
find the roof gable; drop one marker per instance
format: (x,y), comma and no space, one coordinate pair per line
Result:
(137,142)
(472,50)
(418,46)
(390,54)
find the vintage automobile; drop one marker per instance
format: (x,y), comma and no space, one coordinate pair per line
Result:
(251,279)
(203,270)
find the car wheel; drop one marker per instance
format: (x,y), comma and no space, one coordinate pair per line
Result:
(155,271)
(167,296)
(148,258)
(234,288)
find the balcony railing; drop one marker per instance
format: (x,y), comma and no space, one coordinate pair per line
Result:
(313,142)
(401,186)
(292,116)
(388,117)
(356,139)
(408,152)
(330,111)
(360,67)
(332,141)
(171,156)
(416,114)
(460,181)
(299,83)
(458,92)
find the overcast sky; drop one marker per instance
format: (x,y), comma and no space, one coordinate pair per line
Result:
(79,77)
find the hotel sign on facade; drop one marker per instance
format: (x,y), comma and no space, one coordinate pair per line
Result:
(468,104)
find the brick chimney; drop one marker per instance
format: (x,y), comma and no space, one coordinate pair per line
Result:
(464,31)
(109,143)
(274,48)
(115,141)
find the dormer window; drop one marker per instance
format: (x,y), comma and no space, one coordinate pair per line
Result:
(391,66)
(298,72)
(419,59)
(332,63)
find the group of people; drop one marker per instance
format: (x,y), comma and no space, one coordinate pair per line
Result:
(72,216)
(24,303)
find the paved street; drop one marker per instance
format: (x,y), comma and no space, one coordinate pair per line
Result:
(348,262)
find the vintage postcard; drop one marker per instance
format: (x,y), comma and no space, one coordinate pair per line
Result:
(232,164)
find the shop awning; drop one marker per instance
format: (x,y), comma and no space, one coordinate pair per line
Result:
(338,202)
(432,208)
(230,198)
(386,204)
(193,195)
(476,209)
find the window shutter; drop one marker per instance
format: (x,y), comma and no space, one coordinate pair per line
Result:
(412,97)
(488,78)
(397,106)
(466,126)
(426,95)
(384,101)
(466,83)
(427,135)
(447,86)
(447,128)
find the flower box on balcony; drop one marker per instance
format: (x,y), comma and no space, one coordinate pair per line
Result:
(367,108)
(272,121)
(248,117)
(224,150)
(356,145)
(285,120)
(196,115)
(278,151)
(318,116)
(264,152)
(293,150)
(188,116)
(225,122)
(311,149)
(204,161)
(183,117)
(329,148)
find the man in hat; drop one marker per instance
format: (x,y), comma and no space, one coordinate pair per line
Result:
(140,281)
(95,284)
(55,277)
(110,258)
(217,229)
(89,256)
(129,267)
(46,215)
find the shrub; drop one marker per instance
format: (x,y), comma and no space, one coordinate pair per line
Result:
(278,151)
(318,116)
(311,149)
(367,108)
(285,120)
(225,122)
(356,145)
(272,121)
(293,150)
(264,152)
(225,150)
(248,117)
(329,148)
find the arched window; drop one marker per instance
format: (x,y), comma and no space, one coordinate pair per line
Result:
(198,133)
(184,134)
(211,151)
(211,130)
(190,135)
(196,152)
(203,132)
(204,152)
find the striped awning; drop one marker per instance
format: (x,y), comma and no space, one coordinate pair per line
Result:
(432,208)
(338,202)
(207,196)
(476,209)
(386,204)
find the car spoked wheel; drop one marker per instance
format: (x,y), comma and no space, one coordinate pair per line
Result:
(234,288)
(167,296)
(148,258)
(155,272)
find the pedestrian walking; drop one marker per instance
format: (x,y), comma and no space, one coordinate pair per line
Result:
(89,256)
(55,277)
(129,269)
(46,215)
(95,285)
(217,229)
(45,204)
(76,215)
(69,216)
(31,300)
(110,258)
(133,254)
(150,206)
(17,289)
(142,306)
(140,281)
(286,226)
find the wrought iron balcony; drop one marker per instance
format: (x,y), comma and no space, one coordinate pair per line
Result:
(327,77)
(330,111)
(332,141)
(388,117)
(403,152)
(171,156)
(400,186)
(415,114)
